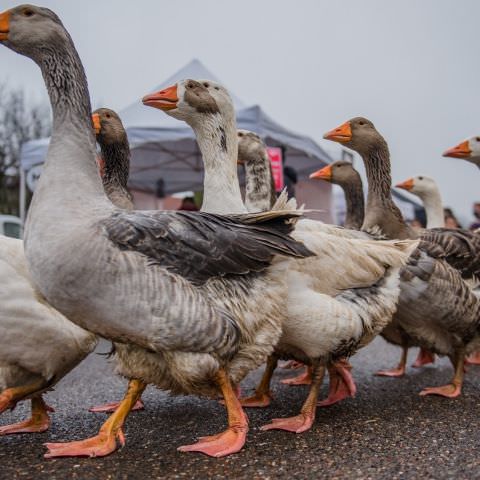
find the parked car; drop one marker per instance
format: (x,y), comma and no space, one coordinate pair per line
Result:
(10,226)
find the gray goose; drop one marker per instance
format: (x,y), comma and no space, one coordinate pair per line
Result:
(198,298)
(260,187)
(344,174)
(338,301)
(429,310)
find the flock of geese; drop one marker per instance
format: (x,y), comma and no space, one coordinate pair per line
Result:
(194,301)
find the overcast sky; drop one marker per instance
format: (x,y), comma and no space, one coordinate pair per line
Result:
(410,66)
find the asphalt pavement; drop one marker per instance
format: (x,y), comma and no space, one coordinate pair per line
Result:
(386,431)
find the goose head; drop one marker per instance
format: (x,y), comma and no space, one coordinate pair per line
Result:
(250,146)
(359,134)
(468,150)
(192,101)
(26,29)
(108,127)
(420,185)
(340,173)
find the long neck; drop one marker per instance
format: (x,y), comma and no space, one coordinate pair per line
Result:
(381,214)
(70,170)
(260,189)
(217,140)
(115,177)
(432,201)
(355,203)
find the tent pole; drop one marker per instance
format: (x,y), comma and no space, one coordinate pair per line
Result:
(23,194)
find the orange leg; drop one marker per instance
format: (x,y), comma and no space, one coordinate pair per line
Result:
(10,396)
(233,438)
(302,422)
(453,389)
(400,370)
(262,396)
(39,422)
(112,430)
(424,358)
(304,378)
(111,407)
(342,384)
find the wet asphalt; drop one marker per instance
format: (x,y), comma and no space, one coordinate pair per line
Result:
(386,431)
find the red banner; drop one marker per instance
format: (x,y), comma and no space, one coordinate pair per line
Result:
(276,160)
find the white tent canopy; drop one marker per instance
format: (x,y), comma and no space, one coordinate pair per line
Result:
(165,149)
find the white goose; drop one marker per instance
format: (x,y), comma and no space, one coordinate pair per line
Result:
(427,190)
(338,301)
(199,299)
(38,345)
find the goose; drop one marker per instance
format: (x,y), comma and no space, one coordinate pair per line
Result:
(427,189)
(38,345)
(197,298)
(259,195)
(344,174)
(468,150)
(337,301)
(429,311)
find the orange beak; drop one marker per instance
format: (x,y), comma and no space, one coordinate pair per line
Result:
(97,126)
(341,134)
(165,99)
(406,185)
(4,25)
(462,150)
(324,173)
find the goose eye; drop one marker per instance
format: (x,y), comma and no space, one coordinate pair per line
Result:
(478,139)
(217,88)
(206,85)
(240,134)
(108,115)
(28,12)
(361,123)
(420,178)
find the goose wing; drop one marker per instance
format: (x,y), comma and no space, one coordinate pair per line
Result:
(199,246)
(459,248)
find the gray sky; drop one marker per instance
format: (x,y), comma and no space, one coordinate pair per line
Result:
(410,66)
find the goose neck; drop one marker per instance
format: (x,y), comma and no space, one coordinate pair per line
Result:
(116,157)
(260,188)
(381,213)
(355,203)
(217,140)
(432,201)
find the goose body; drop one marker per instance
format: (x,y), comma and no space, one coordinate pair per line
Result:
(429,311)
(333,307)
(38,345)
(203,293)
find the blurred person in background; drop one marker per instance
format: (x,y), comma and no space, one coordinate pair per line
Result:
(476,214)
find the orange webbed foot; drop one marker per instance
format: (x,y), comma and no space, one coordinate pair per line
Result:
(100,445)
(473,359)
(298,424)
(342,385)
(450,391)
(424,358)
(303,379)
(230,441)
(111,407)
(394,372)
